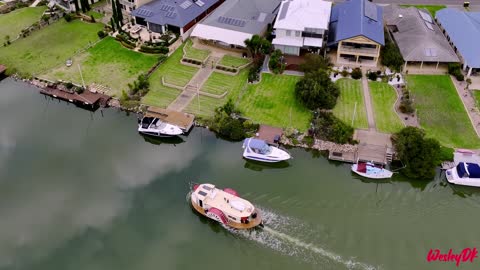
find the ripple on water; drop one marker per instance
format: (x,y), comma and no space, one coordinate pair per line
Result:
(284,234)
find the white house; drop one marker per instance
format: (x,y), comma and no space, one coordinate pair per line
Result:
(301,24)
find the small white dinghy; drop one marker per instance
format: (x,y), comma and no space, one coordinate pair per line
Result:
(369,170)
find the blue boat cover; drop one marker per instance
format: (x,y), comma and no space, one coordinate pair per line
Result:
(256,144)
(470,170)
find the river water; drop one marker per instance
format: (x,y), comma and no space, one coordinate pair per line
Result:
(84,191)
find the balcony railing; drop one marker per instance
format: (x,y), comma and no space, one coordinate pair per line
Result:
(126,3)
(362,51)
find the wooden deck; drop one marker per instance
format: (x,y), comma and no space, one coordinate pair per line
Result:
(241,226)
(269,134)
(86,98)
(183,120)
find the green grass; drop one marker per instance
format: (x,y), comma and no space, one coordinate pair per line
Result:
(12,23)
(232,61)
(215,82)
(351,93)
(107,63)
(194,53)
(173,72)
(49,47)
(95,14)
(441,111)
(383,99)
(476,95)
(273,102)
(431,8)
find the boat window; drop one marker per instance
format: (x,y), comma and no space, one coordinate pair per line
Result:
(232,217)
(202,193)
(206,187)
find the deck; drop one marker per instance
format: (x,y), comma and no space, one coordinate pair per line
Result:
(86,98)
(269,134)
(183,120)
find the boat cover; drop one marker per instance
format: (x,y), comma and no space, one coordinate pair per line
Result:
(470,170)
(256,144)
(362,167)
(239,205)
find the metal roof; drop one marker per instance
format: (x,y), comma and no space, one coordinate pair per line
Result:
(356,18)
(463,28)
(172,12)
(301,14)
(417,36)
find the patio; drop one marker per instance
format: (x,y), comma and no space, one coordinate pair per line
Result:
(141,32)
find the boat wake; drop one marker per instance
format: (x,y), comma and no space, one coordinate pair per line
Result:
(274,236)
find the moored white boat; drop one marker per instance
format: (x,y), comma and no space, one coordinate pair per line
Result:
(259,150)
(465,174)
(155,127)
(225,206)
(369,170)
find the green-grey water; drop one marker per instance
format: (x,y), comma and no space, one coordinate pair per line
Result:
(82,190)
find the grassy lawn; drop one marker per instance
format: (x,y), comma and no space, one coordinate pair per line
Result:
(431,8)
(441,111)
(107,63)
(216,84)
(476,95)
(95,14)
(49,47)
(232,61)
(174,73)
(273,102)
(194,53)
(11,24)
(383,99)
(351,93)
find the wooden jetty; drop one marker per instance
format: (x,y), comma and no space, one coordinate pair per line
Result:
(85,99)
(269,134)
(183,120)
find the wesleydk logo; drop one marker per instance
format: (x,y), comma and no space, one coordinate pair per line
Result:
(466,255)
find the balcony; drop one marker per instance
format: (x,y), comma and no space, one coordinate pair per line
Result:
(359,51)
(127,3)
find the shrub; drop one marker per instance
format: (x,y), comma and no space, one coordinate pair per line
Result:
(344,73)
(453,68)
(372,76)
(315,62)
(69,85)
(357,73)
(328,127)
(67,17)
(446,153)
(101,34)
(459,76)
(255,69)
(154,49)
(229,127)
(92,19)
(275,63)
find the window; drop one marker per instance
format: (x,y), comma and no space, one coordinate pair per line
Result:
(298,33)
(289,32)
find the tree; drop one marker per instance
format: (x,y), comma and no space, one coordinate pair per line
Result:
(83,5)
(419,154)
(315,62)
(275,63)
(316,91)
(119,13)
(87,5)
(112,22)
(330,128)
(257,45)
(391,56)
(92,2)
(77,7)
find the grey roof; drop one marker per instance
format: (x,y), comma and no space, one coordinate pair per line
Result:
(417,36)
(172,12)
(247,16)
(463,28)
(356,18)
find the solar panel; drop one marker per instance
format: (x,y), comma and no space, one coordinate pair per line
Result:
(425,16)
(199,3)
(262,17)
(371,10)
(171,8)
(429,25)
(231,21)
(171,14)
(283,13)
(186,4)
(144,12)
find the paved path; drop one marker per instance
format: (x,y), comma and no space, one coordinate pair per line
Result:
(35,3)
(368,102)
(469,104)
(195,84)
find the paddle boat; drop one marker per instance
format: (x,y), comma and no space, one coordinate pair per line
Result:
(225,206)
(370,170)
(259,150)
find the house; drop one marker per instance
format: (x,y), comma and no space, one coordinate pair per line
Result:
(69,5)
(462,30)
(177,16)
(417,36)
(301,25)
(356,30)
(236,21)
